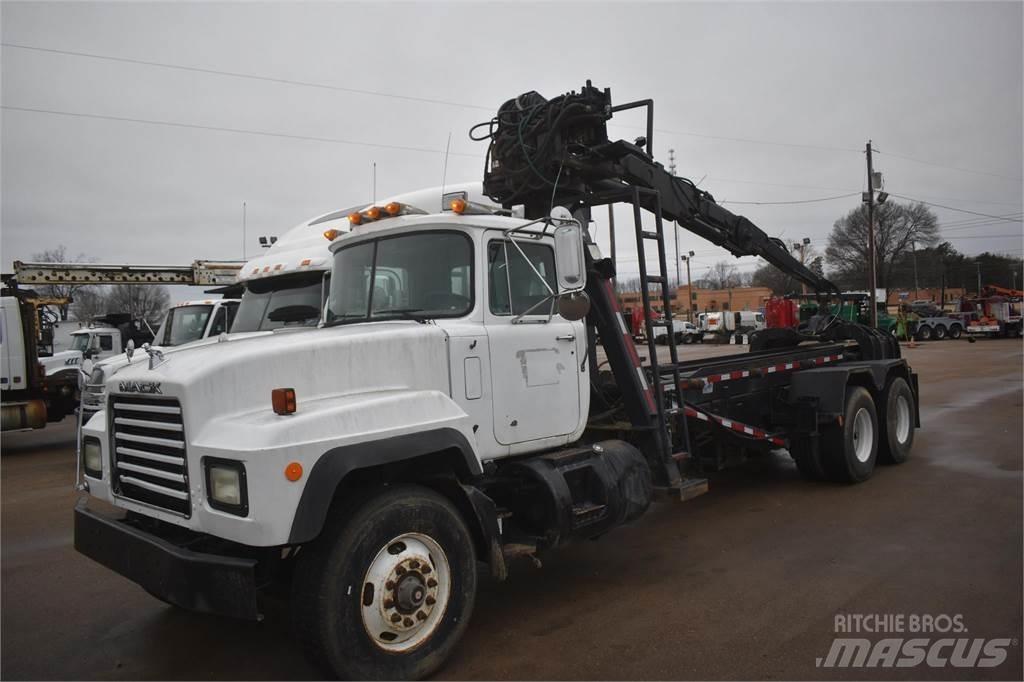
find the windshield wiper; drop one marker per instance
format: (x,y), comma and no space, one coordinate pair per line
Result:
(404,313)
(343,319)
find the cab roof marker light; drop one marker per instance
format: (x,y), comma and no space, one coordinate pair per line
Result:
(331,234)
(463,207)
(372,213)
(355,218)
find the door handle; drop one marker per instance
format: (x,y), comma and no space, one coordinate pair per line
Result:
(566,337)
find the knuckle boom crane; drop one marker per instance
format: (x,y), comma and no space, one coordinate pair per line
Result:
(545,153)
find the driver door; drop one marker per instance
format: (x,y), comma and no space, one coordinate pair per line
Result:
(536,357)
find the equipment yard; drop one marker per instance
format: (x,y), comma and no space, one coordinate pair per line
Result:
(745,582)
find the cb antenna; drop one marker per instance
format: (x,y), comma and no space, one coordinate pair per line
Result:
(444,167)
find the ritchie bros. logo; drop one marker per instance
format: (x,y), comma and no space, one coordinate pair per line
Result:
(937,641)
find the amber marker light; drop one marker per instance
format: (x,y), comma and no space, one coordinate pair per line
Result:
(293,471)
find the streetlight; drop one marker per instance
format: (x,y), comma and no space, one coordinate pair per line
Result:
(801,247)
(689,288)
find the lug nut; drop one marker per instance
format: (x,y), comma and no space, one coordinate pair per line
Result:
(431,583)
(414,564)
(396,618)
(388,604)
(400,570)
(421,616)
(390,585)
(430,601)
(407,622)
(426,569)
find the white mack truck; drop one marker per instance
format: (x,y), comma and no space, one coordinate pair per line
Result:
(450,408)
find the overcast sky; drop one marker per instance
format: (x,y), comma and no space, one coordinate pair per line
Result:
(771,102)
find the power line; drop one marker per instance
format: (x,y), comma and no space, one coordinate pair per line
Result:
(219,129)
(779,203)
(960,210)
(377,93)
(247,76)
(941,165)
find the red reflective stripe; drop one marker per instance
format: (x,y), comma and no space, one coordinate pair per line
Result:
(734,426)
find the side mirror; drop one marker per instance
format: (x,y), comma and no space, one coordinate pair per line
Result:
(570,264)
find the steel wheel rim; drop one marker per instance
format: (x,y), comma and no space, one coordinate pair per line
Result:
(405,592)
(902,419)
(863,435)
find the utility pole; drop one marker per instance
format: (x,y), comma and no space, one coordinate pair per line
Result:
(913,251)
(979,277)
(675,226)
(870,198)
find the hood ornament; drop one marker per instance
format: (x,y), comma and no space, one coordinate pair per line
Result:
(156,357)
(129,349)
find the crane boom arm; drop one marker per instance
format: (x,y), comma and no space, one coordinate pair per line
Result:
(557,151)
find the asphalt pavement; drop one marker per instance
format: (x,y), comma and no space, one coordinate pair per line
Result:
(745,582)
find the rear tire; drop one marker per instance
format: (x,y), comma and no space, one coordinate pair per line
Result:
(955,331)
(940,332)
(897,422)
(387,592)
(849,450)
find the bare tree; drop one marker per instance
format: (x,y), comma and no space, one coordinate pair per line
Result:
(59,255)
(722,275)
(142,301)
(896,227)
(89,302)
(781,283)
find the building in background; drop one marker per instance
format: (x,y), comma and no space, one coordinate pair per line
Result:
(704,300)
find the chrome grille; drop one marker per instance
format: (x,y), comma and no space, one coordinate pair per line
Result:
(148,445)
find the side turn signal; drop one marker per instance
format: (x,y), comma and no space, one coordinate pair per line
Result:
(458,206)
(329,235)
(283,400)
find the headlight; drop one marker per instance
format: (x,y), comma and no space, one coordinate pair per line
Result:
(92,457)
(225,486)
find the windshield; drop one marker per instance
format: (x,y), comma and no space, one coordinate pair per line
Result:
(80,342)
(184,324)
(419,276)
(292,300)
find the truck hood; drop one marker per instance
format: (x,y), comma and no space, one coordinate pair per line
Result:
(118,362)
(67,359)
(237,376)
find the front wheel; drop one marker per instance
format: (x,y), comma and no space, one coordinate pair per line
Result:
(387,592)
(924,333)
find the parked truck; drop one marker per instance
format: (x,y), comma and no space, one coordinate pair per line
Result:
(450,408)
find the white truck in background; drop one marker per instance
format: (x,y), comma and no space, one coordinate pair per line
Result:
(282,288)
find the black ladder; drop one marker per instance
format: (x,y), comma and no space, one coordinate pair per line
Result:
(663,438)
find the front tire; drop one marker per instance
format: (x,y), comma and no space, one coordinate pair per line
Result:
(387,592)
(924,333)
(849,450)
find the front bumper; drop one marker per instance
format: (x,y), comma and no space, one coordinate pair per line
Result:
(209,583)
